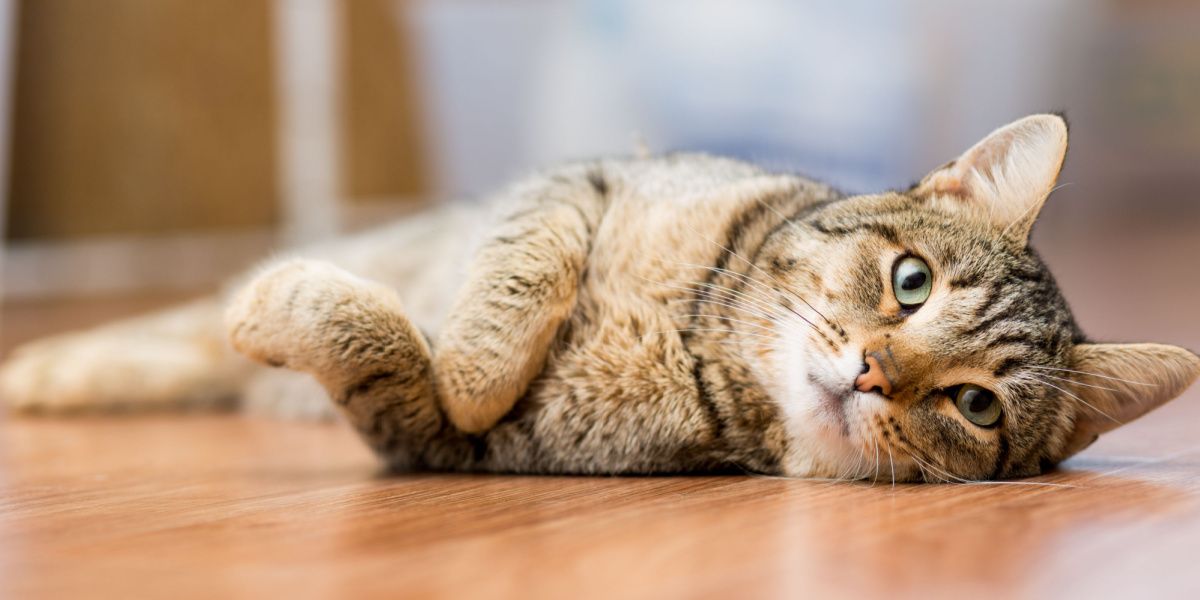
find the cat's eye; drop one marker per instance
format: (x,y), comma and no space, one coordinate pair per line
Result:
(978,405)
(912,281)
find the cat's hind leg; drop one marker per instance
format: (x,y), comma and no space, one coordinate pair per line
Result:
(352,335)
(171,359)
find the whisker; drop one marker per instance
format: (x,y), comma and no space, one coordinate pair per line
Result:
(1081,400)
(875,445)
(746,293)
(733,320)
(1094,375)
(753,302)
(1064,379)
(707,329)
(748,311)
(757,303)
(924,465)
(892,464)
(750,280)
(1147,462)
(759,269)
(1029,483)
(794,226)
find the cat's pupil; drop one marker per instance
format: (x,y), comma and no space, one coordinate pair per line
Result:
(979,402)
(913,281)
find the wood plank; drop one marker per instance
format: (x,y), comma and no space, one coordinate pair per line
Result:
(234,507)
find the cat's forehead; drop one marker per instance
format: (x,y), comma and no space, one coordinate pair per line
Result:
(968,250)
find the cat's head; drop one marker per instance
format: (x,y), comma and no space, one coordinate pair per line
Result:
(937,344)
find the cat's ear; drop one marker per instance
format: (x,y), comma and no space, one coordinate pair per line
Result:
(1117,383)
(1004,179)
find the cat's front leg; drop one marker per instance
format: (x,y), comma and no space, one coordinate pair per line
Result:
(352,335)
(521,287)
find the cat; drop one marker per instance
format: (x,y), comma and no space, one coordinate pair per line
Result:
(683,313)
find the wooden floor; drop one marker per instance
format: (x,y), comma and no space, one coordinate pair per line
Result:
(231,507)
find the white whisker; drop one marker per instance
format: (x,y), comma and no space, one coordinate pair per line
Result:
(1081,400)
(1064,379)
(733,320)
(663,331)
(759,269)
(1130,381)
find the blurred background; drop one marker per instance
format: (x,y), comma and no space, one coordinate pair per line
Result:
(153,147)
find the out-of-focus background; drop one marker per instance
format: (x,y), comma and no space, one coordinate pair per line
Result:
(154,147)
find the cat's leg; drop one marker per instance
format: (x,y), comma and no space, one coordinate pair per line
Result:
(352,336)
(176,358)
(521,286)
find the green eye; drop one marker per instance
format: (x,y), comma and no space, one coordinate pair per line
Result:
(912,281)
(978,405)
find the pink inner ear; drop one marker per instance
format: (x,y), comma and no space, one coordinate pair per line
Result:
(947,183)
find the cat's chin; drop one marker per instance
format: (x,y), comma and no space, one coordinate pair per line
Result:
(832,408)
(823,432)
(815,393)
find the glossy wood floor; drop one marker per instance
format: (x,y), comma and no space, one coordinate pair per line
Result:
(230,507)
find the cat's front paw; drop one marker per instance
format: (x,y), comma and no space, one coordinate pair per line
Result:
(281,317)
(261,317)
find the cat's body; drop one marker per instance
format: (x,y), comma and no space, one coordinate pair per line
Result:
(677,314)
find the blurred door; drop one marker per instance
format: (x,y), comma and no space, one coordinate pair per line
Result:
(147,147)
(137,117)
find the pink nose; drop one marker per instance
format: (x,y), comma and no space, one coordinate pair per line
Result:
(873,378)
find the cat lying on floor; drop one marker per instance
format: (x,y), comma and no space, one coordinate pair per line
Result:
(676,314)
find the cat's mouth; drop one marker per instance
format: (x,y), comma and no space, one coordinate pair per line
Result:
(832,403)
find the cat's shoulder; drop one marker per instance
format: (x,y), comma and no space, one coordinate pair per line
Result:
(683,174)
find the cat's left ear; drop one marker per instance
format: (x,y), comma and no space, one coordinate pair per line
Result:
(1113,384)
(1004,179)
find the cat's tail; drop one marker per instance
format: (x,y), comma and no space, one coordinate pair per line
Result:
(173,359)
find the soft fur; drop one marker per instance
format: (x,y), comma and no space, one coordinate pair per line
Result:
(676,314)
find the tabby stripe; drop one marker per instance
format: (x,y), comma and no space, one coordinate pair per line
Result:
(986,324)
(1017,340)
(993,295)
(794,219)
(886,232)
(732,243)
(1001,455)
(968,280)
(1006,366)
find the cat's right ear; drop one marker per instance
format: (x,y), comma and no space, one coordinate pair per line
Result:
(1117,383)
(1005,178)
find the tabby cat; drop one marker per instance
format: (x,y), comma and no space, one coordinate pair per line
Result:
(676,314)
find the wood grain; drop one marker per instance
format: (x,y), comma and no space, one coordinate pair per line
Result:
(232,507)
(229,507)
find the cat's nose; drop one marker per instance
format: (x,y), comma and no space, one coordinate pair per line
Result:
(873,378)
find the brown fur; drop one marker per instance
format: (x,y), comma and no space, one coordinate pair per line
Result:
(690,313)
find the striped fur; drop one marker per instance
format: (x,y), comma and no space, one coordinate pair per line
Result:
(690,313)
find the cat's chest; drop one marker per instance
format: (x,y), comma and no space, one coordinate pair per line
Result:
(636,301)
